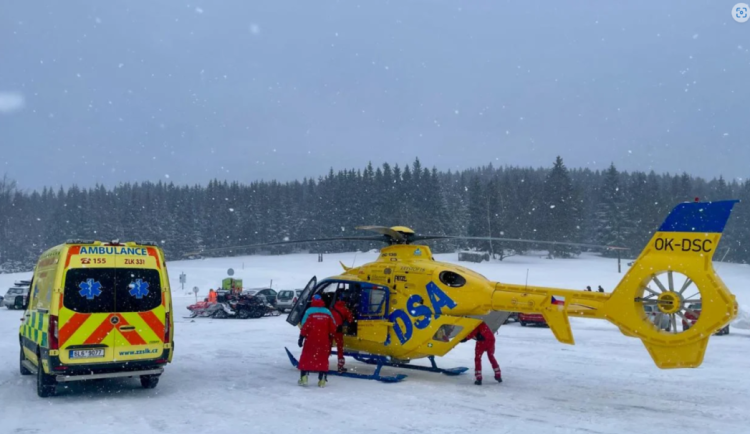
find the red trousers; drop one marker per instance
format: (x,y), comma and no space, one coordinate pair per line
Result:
(481,348)
(339,337)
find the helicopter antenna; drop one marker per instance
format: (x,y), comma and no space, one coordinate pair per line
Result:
(355,259)
(527,278)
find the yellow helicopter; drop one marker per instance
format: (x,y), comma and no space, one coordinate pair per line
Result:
(409,306)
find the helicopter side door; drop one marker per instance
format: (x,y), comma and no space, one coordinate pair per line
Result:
(372,313)
(298,310)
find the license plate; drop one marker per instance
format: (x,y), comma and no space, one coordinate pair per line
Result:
(86,354)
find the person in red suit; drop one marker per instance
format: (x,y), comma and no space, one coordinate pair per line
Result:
(485,344)
(341,315)
(316,338)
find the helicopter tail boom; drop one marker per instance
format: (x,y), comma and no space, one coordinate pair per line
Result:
(671,282)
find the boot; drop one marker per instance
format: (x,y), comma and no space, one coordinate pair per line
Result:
(322,379)
(498,376)
(321,383)
(302,380)
(478,381)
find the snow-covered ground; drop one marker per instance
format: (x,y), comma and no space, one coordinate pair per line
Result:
(232,376)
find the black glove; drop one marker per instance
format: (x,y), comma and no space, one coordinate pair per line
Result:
(300,340)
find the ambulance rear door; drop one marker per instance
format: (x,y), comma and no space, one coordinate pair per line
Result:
(85,316)
(140,304)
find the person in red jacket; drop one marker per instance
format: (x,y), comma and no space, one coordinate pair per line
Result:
(485,343)
(316,338)
(341,315)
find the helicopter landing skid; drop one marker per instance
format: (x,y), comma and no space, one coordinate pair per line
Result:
(375,376)
(383,361)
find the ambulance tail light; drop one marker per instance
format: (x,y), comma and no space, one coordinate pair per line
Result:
(167,330)
(52,333)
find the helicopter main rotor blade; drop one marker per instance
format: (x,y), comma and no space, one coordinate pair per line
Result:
(287,243)
(383,230)
(517,240)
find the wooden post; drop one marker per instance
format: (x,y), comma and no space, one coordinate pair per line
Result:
(619,270)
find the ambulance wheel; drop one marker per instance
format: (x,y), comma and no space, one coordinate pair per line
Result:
(23,369)
(149,381)
(45,384)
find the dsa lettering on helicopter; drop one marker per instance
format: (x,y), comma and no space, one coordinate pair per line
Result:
(421,313)
(685,245)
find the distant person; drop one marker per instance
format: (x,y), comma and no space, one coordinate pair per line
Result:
(315,339)
(588,288)
(601,289)
(212,296)
(343,317)
(485,344)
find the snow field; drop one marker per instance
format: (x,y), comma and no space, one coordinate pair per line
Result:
(233,376)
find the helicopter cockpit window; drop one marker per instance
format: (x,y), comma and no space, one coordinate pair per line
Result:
(373,301)
(452,279)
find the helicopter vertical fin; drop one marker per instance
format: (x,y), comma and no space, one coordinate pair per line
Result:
(674,272)
(673,277)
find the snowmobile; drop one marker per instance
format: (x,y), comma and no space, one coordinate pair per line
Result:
(205,309)
(242,307)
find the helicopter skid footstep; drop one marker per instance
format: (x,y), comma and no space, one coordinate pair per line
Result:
(383,361)
(375,376)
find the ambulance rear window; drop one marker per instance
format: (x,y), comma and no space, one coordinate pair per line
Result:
(137,290)
(107,290)
(90,290)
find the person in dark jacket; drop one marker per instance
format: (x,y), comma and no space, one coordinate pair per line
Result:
(342,316)
(485,344)
(316,338)
(588,288)
(601,289)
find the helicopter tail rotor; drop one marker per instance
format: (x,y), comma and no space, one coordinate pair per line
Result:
(671,298)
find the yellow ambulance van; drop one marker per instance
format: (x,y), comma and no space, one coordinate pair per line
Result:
(97,310)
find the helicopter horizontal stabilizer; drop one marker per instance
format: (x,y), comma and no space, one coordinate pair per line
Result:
(375,376)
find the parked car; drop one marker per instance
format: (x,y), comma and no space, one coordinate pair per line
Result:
(286,299)
(692,315)
(267,293)
(15,298)
(531,318)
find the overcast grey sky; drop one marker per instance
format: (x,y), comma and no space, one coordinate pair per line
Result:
(185,91)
